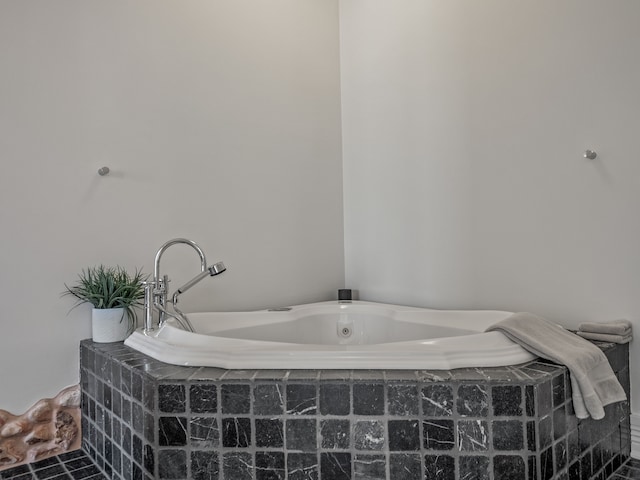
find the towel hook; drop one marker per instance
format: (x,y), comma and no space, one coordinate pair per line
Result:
(103,171)
(590,154)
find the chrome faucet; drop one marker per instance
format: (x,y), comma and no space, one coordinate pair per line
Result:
(156,291)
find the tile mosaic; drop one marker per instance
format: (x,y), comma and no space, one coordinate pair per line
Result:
(344,424)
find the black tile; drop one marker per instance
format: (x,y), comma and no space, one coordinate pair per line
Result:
(529,400)
(544,400)
(508,467)
(559,423)
(531,436)
(438,434)
(404,435)
(335,434)
(270,466)
(301,399)
(172,398)
(560,455)
(302,466)
(405,466)
(545,433)
(546,464)
(172,464)
(268,399)
(236,432)
(204,432)
(368,399)
(439,467)
(335,466)
(472,401)
(15,471)
(437,400)
(205,465)
(269,433)
(369,435)
(301,434)
(558,390)
(507,400)
(235,399)
(473,435)
(507,435)
(148,459)
(403,400)
(474,467)
(369,467)
(172,431)
(203,398)
(335,399)
(237,466)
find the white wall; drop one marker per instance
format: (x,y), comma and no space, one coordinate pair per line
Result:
(220,121)
(464,125)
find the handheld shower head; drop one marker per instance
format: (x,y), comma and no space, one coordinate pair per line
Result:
(213,270)
(216,269)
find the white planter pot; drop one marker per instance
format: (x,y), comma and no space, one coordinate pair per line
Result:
(110,325)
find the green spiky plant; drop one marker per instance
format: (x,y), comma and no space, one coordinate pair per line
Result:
(109,287)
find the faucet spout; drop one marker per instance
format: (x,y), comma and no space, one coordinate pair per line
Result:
(163,248)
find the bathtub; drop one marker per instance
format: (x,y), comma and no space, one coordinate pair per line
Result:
(335,335)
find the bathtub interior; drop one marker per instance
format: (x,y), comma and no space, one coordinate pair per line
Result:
(345,329)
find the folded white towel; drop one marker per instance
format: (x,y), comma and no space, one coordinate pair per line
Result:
(615,327)
(594,385)
(606,337)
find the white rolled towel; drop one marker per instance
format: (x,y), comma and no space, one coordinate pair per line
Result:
(615,327)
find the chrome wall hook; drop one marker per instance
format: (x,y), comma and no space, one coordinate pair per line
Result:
(590,154)
(103,171)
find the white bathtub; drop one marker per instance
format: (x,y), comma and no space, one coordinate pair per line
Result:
(333,335)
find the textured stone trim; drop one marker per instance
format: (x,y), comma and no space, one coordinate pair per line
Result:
(50,427)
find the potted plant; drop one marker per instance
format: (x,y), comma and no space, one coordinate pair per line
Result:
(114,294)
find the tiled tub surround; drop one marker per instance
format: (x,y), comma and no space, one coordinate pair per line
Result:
(146,419)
